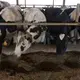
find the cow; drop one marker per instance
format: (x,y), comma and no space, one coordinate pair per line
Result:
(58,15)
(58,33)
(32,33)
(9,14)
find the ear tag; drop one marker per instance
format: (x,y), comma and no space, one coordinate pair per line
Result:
(5,43)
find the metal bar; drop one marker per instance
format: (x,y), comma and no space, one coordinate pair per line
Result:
(17,2)
(39,6)
(53,3)
(45,5)
(63,3)
(54,24)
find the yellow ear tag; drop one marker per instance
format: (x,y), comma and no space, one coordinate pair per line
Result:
(5,43)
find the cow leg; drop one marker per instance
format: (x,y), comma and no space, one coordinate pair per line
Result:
(2,36)
(61,45)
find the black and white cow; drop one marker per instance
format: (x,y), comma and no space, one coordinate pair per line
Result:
(33,33)
(59,33)
(9,14)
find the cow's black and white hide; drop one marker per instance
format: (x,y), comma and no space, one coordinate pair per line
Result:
(33,33)
(58,33)
(69,10)
(9,14)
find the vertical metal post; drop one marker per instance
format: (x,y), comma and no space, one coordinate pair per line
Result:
(25,3)
(53,3)
(17,2)
(33,6)
(63,3)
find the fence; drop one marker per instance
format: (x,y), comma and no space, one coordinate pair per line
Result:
(45,24)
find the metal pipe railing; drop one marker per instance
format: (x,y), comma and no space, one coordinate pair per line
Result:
(51,24)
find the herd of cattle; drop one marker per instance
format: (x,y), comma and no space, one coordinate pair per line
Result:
(25,36)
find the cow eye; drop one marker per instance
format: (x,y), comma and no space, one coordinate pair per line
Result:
(23,44)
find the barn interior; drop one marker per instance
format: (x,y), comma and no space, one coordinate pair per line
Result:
(40,61)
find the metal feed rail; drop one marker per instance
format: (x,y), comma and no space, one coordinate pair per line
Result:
(55,24)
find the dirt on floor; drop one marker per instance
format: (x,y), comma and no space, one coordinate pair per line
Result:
(43,66)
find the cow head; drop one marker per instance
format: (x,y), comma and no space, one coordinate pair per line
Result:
(24,41)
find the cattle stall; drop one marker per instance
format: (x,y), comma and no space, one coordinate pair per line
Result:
(40,62)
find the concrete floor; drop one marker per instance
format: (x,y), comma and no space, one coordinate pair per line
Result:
(42,47)
(39,61)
